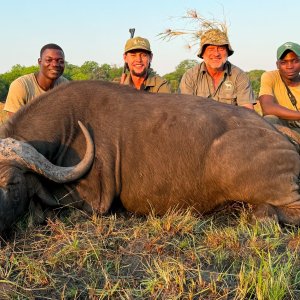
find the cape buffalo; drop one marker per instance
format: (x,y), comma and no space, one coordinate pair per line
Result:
(152,151)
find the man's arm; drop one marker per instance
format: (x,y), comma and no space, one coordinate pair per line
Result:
(186,85)
(165,88)
(244,91)
(270,107)
(248,105)
(15,98)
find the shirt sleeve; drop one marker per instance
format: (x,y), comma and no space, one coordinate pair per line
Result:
(266,87)
(165,88)
(16,97)
(186,85)
(244,91)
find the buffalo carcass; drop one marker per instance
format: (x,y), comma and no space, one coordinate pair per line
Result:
(152,151)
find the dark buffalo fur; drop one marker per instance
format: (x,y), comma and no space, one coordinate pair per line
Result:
(157,151)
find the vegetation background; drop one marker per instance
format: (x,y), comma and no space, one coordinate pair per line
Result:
(181,255)
(92,70)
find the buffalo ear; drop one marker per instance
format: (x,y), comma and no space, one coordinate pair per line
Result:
(36,213)
(36,189)
(46,197)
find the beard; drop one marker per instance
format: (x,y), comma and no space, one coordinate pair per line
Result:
(140,74)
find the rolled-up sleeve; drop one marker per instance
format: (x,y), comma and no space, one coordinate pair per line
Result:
(187,84)
(244,91)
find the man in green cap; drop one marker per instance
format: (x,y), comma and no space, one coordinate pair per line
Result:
(215,77)
(279,94)
(138,56)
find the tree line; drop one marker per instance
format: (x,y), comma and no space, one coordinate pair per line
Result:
(91,70)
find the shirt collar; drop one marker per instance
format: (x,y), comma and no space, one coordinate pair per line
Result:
(149,81)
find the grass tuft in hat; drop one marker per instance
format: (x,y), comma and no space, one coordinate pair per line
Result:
(210,32)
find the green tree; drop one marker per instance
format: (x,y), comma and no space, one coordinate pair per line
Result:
(90,69)
(104,71)
(71,71)
(7,78)
(3,89)
(175,77)
(115,73)
(17,71)
(254,77)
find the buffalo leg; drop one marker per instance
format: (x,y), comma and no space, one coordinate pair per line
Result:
(289,214)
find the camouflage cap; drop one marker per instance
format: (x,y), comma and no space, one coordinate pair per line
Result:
(137,43)
(288,46)
(214,37)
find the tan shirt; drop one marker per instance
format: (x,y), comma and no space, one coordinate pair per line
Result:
(23,90)
(234,88)
(272,84)
(153,84)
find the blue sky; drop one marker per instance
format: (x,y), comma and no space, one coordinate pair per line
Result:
(96,30)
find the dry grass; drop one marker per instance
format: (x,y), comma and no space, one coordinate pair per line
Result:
(195,26)
(178,256)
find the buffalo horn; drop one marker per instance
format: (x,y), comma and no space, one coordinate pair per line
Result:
(22,153)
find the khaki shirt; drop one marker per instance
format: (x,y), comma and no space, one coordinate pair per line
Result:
(235,87)
(152,84)
(23,89)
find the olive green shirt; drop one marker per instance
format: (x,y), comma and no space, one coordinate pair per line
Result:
(152,84)
(235,87)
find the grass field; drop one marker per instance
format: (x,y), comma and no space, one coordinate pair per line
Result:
(177,256)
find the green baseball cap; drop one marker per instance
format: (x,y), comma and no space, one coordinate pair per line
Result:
(288,46)
(137,43)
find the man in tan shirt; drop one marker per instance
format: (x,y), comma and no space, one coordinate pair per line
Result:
(279,94)
(27,87)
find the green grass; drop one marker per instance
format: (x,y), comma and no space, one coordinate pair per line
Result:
(177,256)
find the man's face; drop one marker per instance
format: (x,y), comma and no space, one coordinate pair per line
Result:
(215,56)
(52,63)
(138,62)
(289,66)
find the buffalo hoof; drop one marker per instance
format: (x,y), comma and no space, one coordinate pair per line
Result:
(288,215)
(264,212)
(280,214)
